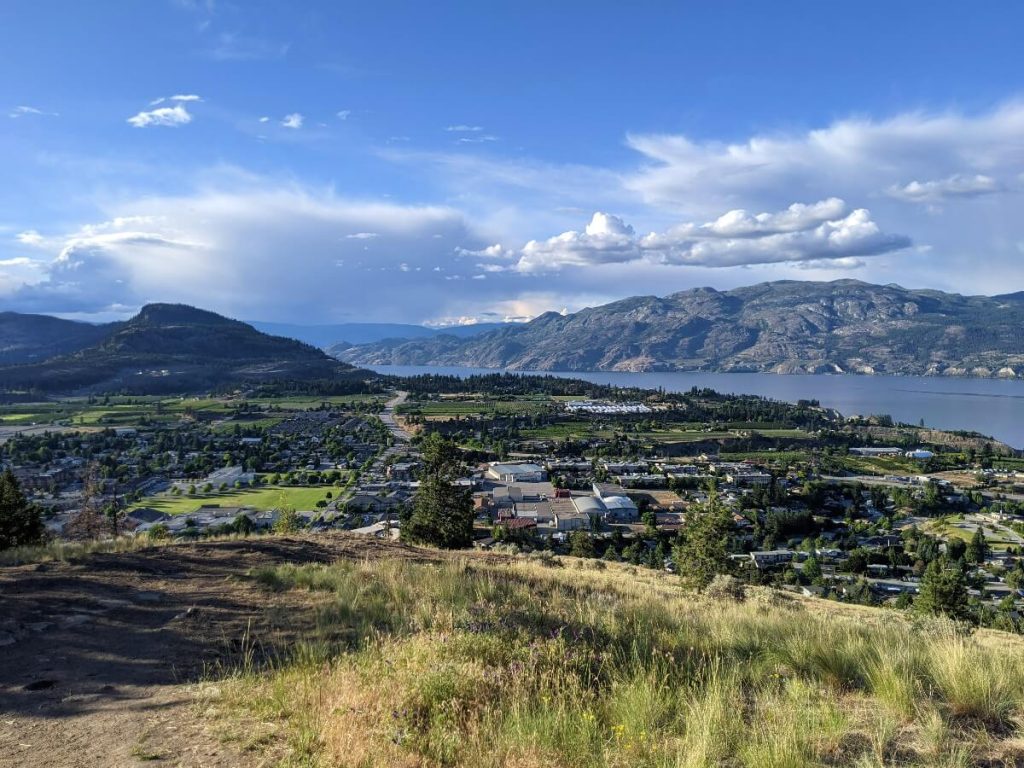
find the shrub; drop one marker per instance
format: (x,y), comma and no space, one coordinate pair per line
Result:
(724,587)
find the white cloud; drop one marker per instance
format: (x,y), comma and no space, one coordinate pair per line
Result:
(343,114)
(957,185)
(294,120)
(165,116)
(30,237)
(464,128)
(26,111)
(181,97)
(362,236)
(251,248)
(853,159)
(811,234)
(264,119)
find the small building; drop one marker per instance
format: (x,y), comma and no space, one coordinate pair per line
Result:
(920,454)
(523,472)
(572,521)
(771,558)
(888,451)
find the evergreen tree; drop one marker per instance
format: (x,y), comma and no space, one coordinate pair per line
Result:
(581,545)
(703,548)
(21,523)
(442,514)
(943,591)
(956,549)
(977,548)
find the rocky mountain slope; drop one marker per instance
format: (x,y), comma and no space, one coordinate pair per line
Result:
(846,326)
(174,348)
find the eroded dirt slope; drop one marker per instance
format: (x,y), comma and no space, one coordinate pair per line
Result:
(96,656)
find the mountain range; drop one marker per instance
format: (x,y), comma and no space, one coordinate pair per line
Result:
(325,336)
(164,348)
(844,326)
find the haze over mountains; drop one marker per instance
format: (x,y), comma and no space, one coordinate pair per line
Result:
(845,326)
(325,336)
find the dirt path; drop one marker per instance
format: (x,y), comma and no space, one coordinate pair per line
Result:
(96,657)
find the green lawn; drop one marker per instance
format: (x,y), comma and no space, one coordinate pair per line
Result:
(302,498)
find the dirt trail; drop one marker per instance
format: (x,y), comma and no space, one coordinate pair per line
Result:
(96,656)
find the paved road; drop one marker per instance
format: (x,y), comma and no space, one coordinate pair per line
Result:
(388,417)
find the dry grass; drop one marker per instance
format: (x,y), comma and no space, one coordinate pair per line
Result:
(486,662)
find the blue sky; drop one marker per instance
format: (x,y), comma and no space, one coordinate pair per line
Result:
(451,162)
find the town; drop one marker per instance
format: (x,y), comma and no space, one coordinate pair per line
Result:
(817,503)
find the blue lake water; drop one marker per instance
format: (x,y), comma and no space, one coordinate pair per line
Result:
(991,406)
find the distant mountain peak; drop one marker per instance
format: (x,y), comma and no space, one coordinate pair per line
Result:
(163,313)
(164,348)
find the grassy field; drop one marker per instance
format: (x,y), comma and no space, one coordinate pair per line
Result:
(879,465)
(946,527)
(486,663)
(269,497)
(131,411)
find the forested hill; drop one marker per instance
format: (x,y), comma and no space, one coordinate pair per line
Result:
(174,348)
(28,338)
(845,326)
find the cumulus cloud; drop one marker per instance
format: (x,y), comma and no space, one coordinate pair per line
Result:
(821,232)
(957,185)
(294,120)
(853,159)
(162,116)
(252,249)
(343,114)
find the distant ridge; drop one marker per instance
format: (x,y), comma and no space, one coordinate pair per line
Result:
(844,326)
(347,334)
(165,348)
(29,338)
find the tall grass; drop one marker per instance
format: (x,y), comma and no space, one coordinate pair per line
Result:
(483,663)
(64,551)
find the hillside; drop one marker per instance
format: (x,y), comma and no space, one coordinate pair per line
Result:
(172,348)
(845,326)
(30,338)
(385,655)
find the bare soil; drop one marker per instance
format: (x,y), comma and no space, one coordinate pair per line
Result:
(97,656)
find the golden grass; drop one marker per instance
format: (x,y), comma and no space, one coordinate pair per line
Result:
(487,662)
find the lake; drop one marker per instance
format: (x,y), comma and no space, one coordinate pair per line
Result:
(991,406)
